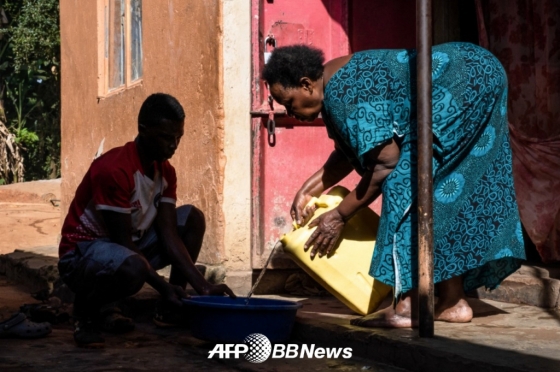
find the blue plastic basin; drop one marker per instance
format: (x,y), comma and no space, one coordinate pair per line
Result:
(224,319)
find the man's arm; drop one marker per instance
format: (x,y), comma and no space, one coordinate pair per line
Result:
(166,224)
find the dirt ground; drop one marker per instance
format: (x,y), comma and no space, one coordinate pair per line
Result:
(147,348)
(30,219)
(30,216)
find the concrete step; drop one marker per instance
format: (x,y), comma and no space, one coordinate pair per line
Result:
(501,337)
(537,285)
(39,274)
(531,285)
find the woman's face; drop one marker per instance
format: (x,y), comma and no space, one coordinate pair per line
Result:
(304,102)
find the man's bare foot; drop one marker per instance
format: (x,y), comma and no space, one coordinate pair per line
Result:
(390,317)
(457,311)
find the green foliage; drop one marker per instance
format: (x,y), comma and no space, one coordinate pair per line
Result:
(30,84)
(27,138)
(35,37)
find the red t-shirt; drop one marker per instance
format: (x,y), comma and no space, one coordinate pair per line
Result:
(115,181)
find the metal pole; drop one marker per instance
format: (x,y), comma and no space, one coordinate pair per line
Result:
(425,186)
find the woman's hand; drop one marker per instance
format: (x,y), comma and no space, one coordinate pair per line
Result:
(300,211)
(333,171)
(326,236)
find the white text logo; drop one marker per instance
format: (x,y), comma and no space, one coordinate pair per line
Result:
(257,348)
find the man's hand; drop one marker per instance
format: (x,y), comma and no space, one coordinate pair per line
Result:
(326,236)
(218,290)
(174,294)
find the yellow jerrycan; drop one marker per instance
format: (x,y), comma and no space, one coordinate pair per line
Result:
(344,273)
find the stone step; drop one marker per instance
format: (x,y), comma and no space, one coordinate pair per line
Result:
(483,346)
(530,285)
(39,274)
(535,285)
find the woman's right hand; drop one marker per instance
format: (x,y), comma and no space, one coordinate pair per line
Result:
(333,171)
(301,212)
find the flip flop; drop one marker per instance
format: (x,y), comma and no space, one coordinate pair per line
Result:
(18,326)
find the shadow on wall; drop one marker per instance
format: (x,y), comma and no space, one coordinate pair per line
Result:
(371,25)
(379,24)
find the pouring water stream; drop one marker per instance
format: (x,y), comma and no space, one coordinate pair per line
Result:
(262,273)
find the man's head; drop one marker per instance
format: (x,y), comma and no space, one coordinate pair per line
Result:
(160,125)
(158,107)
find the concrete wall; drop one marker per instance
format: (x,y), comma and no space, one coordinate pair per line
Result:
(236,49)
(182,57)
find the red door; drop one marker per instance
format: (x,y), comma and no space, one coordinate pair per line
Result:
(286,154)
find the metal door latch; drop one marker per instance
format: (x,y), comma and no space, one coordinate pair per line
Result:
(268,40)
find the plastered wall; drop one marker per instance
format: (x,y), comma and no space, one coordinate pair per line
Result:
(236,65)
(182,57)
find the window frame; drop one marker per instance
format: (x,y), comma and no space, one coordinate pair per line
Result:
(103,32)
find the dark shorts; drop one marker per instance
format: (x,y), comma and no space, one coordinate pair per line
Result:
(98,260)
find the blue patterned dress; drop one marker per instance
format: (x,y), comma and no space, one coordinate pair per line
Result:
(477,231)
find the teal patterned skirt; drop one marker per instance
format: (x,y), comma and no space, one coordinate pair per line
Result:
(477,231)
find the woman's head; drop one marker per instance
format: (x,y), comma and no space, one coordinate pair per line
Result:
(294,75)
(287,65)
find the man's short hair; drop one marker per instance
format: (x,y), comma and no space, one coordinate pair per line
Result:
(158,107)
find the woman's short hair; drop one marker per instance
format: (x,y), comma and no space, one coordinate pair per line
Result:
(288,64)
(158,107)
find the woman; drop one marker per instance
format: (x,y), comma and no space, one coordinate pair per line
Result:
(368,103)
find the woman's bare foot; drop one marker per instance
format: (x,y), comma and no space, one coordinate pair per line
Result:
(457,311)
(386,318)
(452,305)
(390,317)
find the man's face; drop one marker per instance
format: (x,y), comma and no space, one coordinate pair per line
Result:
(164,139)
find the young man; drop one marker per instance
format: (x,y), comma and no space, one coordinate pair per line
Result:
(122,226)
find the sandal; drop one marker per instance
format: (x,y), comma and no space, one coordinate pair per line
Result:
(87,334)
(113,321)
(166,316)
(18,326)
(40,313)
